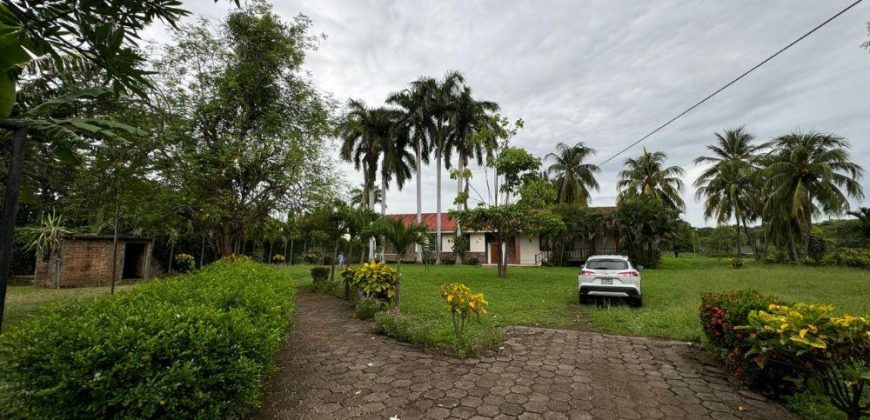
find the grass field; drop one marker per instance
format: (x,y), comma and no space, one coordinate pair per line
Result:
(547,296)
(22,301)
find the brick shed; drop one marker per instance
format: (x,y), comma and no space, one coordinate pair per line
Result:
(86,260)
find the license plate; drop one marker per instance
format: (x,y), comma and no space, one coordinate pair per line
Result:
(606,281)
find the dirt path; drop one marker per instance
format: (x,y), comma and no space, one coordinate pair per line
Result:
(334,367)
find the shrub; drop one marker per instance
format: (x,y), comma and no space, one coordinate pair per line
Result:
(367,307)
(237,258)
(429,333)
(277,258)
(829,353)
(448,260)
(471,261)
(816,248)
(319,275)
(376,280)
(462,304)
(722,311)
(313,257)
(347,275)
(198,345)
(737,262)
(185,262)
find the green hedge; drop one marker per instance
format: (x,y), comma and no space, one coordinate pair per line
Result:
(195,346)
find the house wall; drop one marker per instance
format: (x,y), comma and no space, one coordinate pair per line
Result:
(477,243)
(529,247)
(447,242)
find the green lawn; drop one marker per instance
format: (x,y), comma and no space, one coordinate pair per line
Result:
(547,296)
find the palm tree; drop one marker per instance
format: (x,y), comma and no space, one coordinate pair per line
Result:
(573,177)
(402,236)
(397,162)
(863,215)
(728,184)
(417,122)
(468,118)
(646,176)
(359,196)
(441,100)
(809,174)
(365,132)
(46,240)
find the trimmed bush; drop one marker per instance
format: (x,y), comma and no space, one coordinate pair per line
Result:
(471,261)
(737,262)
(376,280)
(194,346)
(448,261)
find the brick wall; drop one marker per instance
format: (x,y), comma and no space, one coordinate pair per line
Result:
(86,262)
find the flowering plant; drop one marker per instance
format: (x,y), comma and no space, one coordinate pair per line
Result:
(278,258)
(462,303)
(374,279)
(185,262)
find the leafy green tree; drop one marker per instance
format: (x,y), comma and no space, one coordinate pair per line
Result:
(809,174)
(647,176)
(402,236)
(573,177)
(515,165)
(246,127)
(863,215)
(728,184)
(507,221)
(646,226)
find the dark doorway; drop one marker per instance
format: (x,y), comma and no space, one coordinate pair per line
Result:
(134,261)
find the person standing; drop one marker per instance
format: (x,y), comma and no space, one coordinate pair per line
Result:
(341,260)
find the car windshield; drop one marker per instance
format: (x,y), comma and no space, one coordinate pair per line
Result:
(607,264)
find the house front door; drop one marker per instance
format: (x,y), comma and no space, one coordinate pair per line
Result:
(494,250)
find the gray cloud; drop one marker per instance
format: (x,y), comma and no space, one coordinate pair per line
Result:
(602,72)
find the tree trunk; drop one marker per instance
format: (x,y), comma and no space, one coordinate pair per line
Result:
(398,282)
(383,213)
(57,262)
(372,208)
(115,241)
(739,254)
(334,256)
(171,251)
(290,259)
(438,206)
(751,241)
(202,251)
(269,257)
(459,190)
(10,211)
(419,162)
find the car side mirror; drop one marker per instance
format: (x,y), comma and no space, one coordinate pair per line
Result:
(640,267)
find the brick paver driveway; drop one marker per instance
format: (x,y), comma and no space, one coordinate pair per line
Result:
(334,367)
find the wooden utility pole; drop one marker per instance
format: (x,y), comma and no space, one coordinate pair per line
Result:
(10,206)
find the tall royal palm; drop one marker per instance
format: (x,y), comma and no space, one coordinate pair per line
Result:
(418,125)
(809,174)
(441,100)
(647,176)
(468,118)
(727,186)
(573,177)
(365,132)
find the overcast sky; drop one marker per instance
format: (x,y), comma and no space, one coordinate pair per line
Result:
(603,72)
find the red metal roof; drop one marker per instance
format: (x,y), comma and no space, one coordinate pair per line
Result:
(447,223)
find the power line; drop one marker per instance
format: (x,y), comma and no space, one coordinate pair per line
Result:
(726,86)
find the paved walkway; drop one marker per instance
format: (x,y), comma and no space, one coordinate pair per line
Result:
(334,367)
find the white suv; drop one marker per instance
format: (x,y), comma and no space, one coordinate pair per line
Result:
(609,275)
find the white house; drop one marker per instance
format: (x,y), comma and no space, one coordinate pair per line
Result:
(524,249)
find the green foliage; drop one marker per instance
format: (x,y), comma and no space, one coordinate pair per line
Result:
(646,226)
(737,262)
(422,331)
(816,248)
(185,262)
(471,261)
(312,257)
(826,352)
(515,164)
(375,280)
(319,274)
(863,215)
(646,177)
(198,345)
(573,177)
(721,313)
(367,308)
(462,303)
